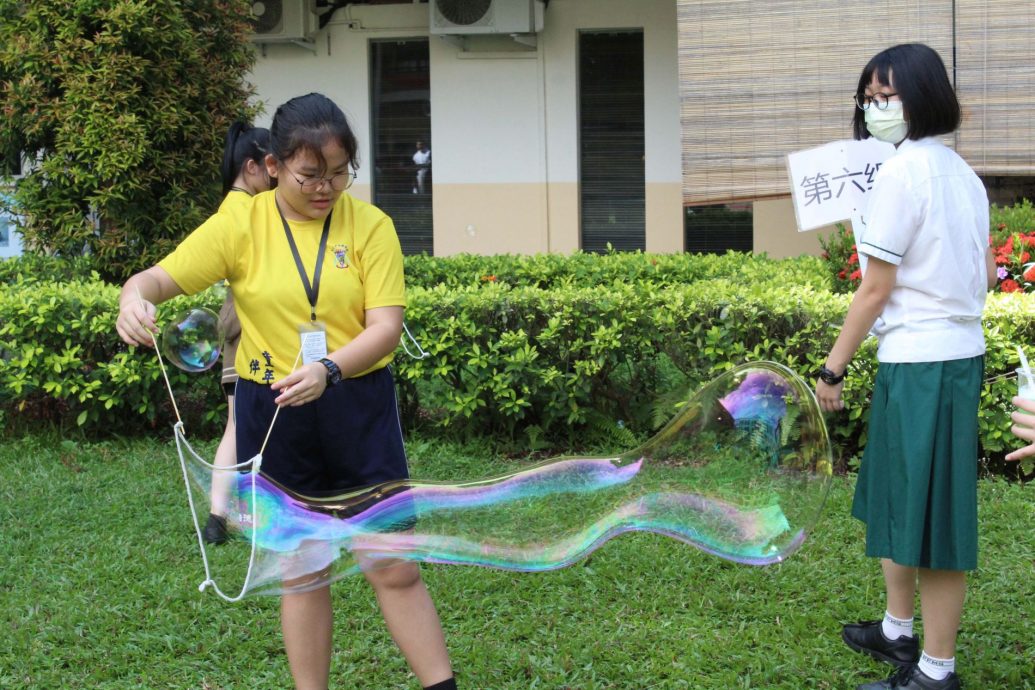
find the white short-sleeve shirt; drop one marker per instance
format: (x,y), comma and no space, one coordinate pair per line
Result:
(928,215)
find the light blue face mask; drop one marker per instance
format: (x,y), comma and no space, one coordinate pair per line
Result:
(889,124)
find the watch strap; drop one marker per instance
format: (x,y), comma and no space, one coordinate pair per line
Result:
(333,372)
(830,378)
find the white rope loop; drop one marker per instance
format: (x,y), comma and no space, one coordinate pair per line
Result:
(255,464)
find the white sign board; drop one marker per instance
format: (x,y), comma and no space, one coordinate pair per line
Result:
(829,183)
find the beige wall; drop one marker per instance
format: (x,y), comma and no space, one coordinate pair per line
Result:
(490,218)
(776,230)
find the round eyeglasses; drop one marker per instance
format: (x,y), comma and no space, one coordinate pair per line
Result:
(338,183)
(881,100)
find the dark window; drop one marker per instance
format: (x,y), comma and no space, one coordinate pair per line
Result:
(400,117)
(717,229)
(1009,190)
(611,149)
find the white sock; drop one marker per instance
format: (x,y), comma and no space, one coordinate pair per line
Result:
(936,669)
(894,628)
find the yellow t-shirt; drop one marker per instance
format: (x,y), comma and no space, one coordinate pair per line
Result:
(245,243)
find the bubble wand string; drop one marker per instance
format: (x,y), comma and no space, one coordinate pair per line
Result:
(254,464)
(161,364)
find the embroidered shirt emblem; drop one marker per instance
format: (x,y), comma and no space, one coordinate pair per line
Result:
(341,255)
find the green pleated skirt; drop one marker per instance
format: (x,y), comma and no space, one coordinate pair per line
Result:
(917,485)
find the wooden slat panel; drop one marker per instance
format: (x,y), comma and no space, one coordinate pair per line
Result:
(759,80)
(995,81)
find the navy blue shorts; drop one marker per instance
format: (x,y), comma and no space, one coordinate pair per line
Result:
(347,439)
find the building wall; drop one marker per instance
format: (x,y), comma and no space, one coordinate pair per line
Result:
(504,120)
(776,230)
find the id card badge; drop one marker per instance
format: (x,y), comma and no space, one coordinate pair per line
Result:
(313,337)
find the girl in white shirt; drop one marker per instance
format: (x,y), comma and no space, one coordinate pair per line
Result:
(926,267)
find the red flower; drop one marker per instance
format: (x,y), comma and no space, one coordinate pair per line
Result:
(856,275)
(1029,274)
(841,275)
(1025,257)
(854,258)
(1010,285)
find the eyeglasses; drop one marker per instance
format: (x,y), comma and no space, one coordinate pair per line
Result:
(338,183)
(862,101)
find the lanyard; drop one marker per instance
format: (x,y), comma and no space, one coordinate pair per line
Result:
(312,290)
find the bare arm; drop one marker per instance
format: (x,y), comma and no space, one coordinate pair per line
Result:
(990,265)
(379,338)
(866,306)
(136,320)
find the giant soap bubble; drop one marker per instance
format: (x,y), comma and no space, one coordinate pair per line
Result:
(741,472)
(192,340)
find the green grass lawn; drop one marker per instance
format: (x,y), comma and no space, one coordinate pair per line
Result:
(99,571)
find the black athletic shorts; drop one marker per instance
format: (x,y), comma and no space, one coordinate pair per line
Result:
(347,439)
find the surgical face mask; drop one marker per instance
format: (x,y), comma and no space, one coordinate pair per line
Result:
(887,125)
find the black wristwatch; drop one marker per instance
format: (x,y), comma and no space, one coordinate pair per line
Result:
(830,378)
(333,372)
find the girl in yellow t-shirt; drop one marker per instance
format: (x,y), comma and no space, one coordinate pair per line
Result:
(309,263)
(244,175)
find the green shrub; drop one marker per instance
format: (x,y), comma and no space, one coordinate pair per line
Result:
(123,104)
(581,269)
(1018,219)
(841,259)
(40,268)
(62,363)
(527,367)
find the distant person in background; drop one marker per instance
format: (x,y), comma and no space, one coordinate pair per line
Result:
(244,175)
(422,159)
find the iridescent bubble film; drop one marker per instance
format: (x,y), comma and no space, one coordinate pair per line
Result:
(193,339)
(741,471)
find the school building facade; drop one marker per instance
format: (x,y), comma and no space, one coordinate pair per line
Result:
(660,125)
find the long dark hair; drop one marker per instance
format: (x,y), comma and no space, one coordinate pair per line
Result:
(308,122)
(243,143)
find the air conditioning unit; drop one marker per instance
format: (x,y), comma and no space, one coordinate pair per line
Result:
(283,21)
(486,16)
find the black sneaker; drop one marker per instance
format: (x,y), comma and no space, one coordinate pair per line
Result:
(912,678)
(215,530)
(867,637)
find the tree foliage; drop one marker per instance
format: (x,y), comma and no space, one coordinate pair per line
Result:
(121,107)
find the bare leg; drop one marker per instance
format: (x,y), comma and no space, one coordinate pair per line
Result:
(900,585)
(412,620)
(941,600)
(226,456)
(306,621)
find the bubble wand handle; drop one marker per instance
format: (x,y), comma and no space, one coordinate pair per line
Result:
(1024,363)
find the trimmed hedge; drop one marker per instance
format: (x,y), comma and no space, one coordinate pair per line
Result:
(580,269)
(531,368)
